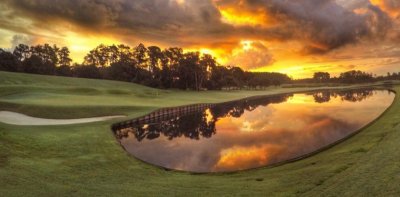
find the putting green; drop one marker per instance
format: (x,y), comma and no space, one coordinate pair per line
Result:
(86,160)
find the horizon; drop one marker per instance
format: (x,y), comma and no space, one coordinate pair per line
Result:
(295,38)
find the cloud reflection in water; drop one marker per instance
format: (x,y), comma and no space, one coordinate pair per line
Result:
(255,132)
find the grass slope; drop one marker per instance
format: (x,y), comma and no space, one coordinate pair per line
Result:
(86,160)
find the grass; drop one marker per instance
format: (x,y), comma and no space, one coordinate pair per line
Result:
(86,160)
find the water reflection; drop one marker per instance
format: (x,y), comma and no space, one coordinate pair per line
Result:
(253,132)
(197,124)
(350,95)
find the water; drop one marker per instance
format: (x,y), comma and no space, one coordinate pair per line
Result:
(255,132)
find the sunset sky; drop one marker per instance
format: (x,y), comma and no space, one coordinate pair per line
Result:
(296,37)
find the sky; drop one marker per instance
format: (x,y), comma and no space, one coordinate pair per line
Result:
(295,37)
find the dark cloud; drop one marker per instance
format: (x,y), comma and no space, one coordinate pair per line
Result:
(320,25)
(90,13)
(164,20)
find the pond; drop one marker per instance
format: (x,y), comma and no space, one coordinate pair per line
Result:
(252,132)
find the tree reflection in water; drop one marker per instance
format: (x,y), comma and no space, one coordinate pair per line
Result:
(202,123)
(349,95)
(249,133)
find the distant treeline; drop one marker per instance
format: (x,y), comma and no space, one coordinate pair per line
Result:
(349,77)
(150,66)
(154,67)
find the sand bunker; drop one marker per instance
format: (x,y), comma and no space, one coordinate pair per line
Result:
(21,119)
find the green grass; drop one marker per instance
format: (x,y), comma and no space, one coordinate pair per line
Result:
(86,160)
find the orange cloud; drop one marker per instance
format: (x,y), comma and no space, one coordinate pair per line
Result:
(251,55)
(392,7)
(245,157)
(241,17)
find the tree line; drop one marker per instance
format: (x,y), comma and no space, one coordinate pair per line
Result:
(353,76)
(150,66)
(158,68)
(349,77)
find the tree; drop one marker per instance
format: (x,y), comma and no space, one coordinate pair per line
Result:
(355,76)
(46,53)
(63,57)
(140,55)
(36,65)
(155,56)
(168,68)
(126,54)
(238,75)
(218,78)
(122,71)
(64,70)
(98,57)
(206,64)
(9,62)
(321,77)
(173,56)
(22,52)
(86,71)
(166,77)
(112,54)
(190,71)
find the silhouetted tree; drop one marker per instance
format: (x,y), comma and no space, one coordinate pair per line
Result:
(97,57)
(36,65)
(63,57)
(188,70)
(122,71)
(172,61)
(321,77)
(64,70)
(155,56)
(168,68)
(355,76)
(141,56)
(218,78)
(9,62)
(86,71)
(47,54)
(22,52)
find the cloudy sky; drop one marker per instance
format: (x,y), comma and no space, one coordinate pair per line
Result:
(297,37)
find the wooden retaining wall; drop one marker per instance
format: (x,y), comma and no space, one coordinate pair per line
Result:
(163,114)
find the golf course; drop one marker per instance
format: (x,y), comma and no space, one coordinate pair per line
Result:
(86,159)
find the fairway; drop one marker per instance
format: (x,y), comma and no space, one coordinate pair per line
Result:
(87,160)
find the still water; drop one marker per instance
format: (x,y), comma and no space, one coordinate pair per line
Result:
(254,132)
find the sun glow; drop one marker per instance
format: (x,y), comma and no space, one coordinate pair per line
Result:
(207,51)
(219,54)
(237,17)
(180,2)
(246,44)
(80,45)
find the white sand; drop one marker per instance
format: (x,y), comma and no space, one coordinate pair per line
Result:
(21,119)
